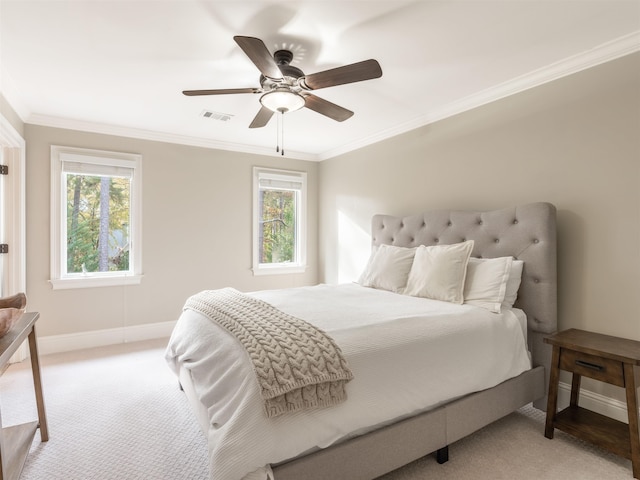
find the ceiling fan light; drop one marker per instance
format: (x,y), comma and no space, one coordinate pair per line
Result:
(282,100)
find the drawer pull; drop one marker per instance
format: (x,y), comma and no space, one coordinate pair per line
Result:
(592,366)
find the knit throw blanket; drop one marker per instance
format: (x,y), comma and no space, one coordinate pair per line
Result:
(297,365)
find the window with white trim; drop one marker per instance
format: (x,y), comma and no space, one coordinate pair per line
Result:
(279,221)
(95,218)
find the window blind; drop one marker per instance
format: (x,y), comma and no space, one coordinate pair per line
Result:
(90,165)
(78,168)
(279,182)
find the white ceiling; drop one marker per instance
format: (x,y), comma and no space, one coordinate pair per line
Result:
(119,66)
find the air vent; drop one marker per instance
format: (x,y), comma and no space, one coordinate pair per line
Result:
(222,117)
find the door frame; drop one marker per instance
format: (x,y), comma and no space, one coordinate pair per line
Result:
(13,146)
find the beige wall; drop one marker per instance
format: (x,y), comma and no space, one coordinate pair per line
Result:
(196,232)
(574,142)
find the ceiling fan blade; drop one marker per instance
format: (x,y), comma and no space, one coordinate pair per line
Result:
(356,72)
(258,53)
(191,93)
(262,118)
(327,108)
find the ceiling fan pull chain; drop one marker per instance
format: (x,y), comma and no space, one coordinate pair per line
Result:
(277,134)
(282,134)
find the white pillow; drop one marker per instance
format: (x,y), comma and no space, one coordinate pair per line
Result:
(388,268)
(439,271)
(513,284)
(486,282)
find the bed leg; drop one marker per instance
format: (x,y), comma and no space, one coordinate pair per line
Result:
(442,455)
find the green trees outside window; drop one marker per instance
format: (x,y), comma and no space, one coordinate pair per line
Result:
(98,209)
(277,240)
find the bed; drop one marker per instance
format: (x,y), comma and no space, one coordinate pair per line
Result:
(393,414)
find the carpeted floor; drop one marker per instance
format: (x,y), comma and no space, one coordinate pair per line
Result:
(116,413)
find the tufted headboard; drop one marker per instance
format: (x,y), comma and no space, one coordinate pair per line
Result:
(526,232)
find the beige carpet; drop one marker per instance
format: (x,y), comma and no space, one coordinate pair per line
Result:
(116,413)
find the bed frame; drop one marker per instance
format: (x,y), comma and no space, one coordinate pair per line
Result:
(527,233)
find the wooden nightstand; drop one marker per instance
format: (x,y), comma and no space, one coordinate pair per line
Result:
(607,359)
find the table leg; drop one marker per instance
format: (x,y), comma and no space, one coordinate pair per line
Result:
(37,384)
(575,389)
(632,412)
(552,399)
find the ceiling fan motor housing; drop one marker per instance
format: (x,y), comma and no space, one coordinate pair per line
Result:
(283,59)
(290,73)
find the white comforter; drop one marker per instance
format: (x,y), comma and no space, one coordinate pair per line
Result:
(407,355)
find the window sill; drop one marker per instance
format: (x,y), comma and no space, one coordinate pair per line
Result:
(279,270)
(91,282)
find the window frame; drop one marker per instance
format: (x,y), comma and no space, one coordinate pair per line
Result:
(60,279)
(300,265)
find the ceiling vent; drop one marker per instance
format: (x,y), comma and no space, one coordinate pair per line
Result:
(222,117)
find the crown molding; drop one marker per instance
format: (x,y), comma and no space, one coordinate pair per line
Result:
(8,135)
(105,129)
(601,54)
(10,93)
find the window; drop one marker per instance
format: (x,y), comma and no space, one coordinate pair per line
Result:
(95,218)
(279,215)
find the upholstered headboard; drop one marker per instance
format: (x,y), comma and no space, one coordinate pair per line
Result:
(526,232)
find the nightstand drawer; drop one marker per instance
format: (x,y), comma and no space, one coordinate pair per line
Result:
(603,369)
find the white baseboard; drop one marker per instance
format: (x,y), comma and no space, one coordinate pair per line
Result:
(595,402)
(101,338)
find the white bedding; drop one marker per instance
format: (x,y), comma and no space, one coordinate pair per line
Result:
(407,355)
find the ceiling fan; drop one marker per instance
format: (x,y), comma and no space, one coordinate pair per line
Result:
(286,88)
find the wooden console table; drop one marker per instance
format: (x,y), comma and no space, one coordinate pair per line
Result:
(15,441)
(605,358)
